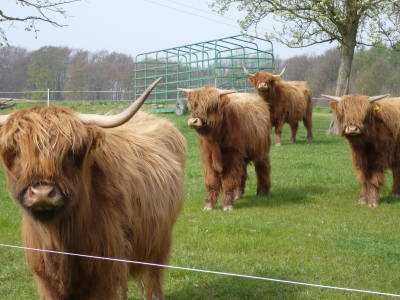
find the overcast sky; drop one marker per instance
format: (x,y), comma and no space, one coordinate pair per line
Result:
(137,26)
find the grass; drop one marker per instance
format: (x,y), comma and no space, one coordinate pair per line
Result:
(310,229)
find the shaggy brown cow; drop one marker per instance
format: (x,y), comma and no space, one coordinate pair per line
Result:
(290,102)
(233,130)
(372,130)
(84,189)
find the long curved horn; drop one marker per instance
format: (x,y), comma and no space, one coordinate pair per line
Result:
(280,75)
(121,118)
(245,70)
(331,97)
(372,99)
(185,90)
(225,92)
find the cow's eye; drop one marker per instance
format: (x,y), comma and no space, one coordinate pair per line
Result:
(9,158)
(74,158)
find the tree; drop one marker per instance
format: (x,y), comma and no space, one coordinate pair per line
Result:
(14,62)
(309,22)
(48,70)
(44,12)
(325,70)
(109,76)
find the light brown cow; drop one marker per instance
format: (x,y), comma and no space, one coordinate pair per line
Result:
(89,190)
(290,102)
(234,129)
(371,127)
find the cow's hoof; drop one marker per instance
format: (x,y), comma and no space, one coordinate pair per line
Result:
(396,195)
(262,192)
(292,141)
(309,140)
(373,204)
(228,208)
(277,144)
(208,207)
(362,201)
(238,194)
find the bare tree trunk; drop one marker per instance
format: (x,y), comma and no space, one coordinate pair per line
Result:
(342,87)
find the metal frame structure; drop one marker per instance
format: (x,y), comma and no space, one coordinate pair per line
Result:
(216,62)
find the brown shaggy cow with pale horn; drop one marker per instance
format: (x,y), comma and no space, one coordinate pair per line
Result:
(113,192)
(372,128)
(234,130)
(290,102)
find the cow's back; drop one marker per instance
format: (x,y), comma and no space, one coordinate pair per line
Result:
(298,102)
(254,126)
(388,109)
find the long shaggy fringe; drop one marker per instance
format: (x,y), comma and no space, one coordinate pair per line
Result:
(355,109)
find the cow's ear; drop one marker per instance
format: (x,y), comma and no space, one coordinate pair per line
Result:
(333,105)
(223,101)
(96,136)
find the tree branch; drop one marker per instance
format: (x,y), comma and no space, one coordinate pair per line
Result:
(42,7)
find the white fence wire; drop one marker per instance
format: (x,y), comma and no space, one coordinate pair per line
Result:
(211,272)
(110,96)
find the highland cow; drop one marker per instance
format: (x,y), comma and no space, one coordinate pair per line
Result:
(234,129)
(107,186)
(371,127)
(290,102)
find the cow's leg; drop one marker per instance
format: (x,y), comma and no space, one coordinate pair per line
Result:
(369,195)
(211,178)
(293,132)
(278,134)
(213,185)
(307,121)
(44,292)
(396,182)
(263,170)
(363,195)
(239,191)
(371,181)
(233,178)
(373,195)
(153,279)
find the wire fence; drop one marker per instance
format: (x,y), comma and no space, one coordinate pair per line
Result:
(211,272)
(51,96)
(108,96)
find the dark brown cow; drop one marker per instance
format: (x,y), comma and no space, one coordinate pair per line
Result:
(88,190)
(234,130)
(372,130)
(290,102)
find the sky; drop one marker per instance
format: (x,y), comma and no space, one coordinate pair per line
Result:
(137,26)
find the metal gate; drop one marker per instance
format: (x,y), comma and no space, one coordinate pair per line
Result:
(216,62)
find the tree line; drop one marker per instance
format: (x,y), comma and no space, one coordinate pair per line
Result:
(111,75)
(63,69)
(375,71)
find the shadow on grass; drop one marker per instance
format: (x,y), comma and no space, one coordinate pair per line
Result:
(236,288)
(389,199)
(301,142)
(279,197)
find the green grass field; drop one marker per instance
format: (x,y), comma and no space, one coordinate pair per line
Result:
(310,229)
